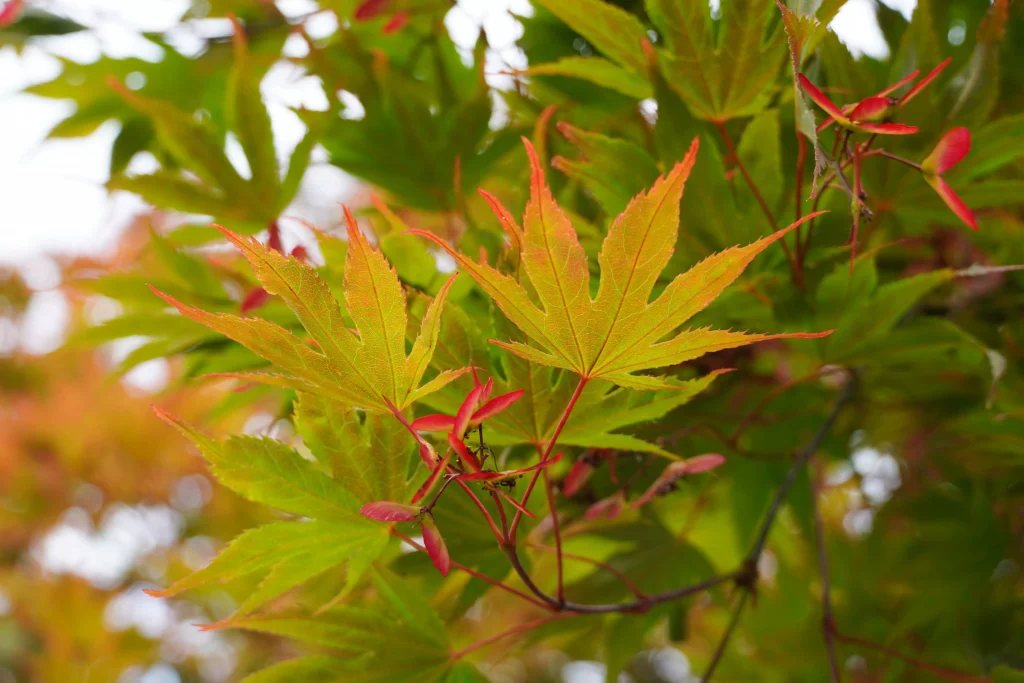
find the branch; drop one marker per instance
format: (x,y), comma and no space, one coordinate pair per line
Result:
(827,620)
(639,605)
(733,623)
(916,663)
(746,578)
(798,465)
(556,529)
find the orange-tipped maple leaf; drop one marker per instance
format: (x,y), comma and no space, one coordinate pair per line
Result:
(620,332)
(367,368)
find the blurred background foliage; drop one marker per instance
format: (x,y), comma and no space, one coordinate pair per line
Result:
(920,483)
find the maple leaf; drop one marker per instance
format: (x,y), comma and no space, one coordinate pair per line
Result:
(618,333)
(400,638)
(950,151)
(722,69)
(361,369)
(283,555)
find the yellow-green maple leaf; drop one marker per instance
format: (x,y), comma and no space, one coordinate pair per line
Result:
(620,331)
(358,368)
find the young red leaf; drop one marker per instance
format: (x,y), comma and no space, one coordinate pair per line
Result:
(395,23)
(872,109)
(386,511)
(11,11)
(467,457)
(912,93)
(431,480)
(434,423)
(703,463)
(952,200)
(495,406)
(578,475)
(822,100)
(869,109)
(886,128)
(898,84)
(434,543)
(619,332)
(950,151)
(370,9)
(255,299)
(606,508)
(469,406)
(666,483)
(881,93)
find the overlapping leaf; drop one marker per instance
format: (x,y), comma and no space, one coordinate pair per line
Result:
(196,145)
(618,333)
(355,368)
(282,555)
(399,640)
(605,413)
(722,72)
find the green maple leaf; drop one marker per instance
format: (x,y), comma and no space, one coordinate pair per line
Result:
(370,455)
(399,639)
(196,145)
(617,333)
(616,33)
(283,555)
(359,369)
(603,409)
(722,72)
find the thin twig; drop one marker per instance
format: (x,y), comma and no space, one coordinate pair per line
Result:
(556,529)
(501,512)
(916,663)
(639,605)
(894,157)
(734,621)
(827,619)
(747,576)
(798,465)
